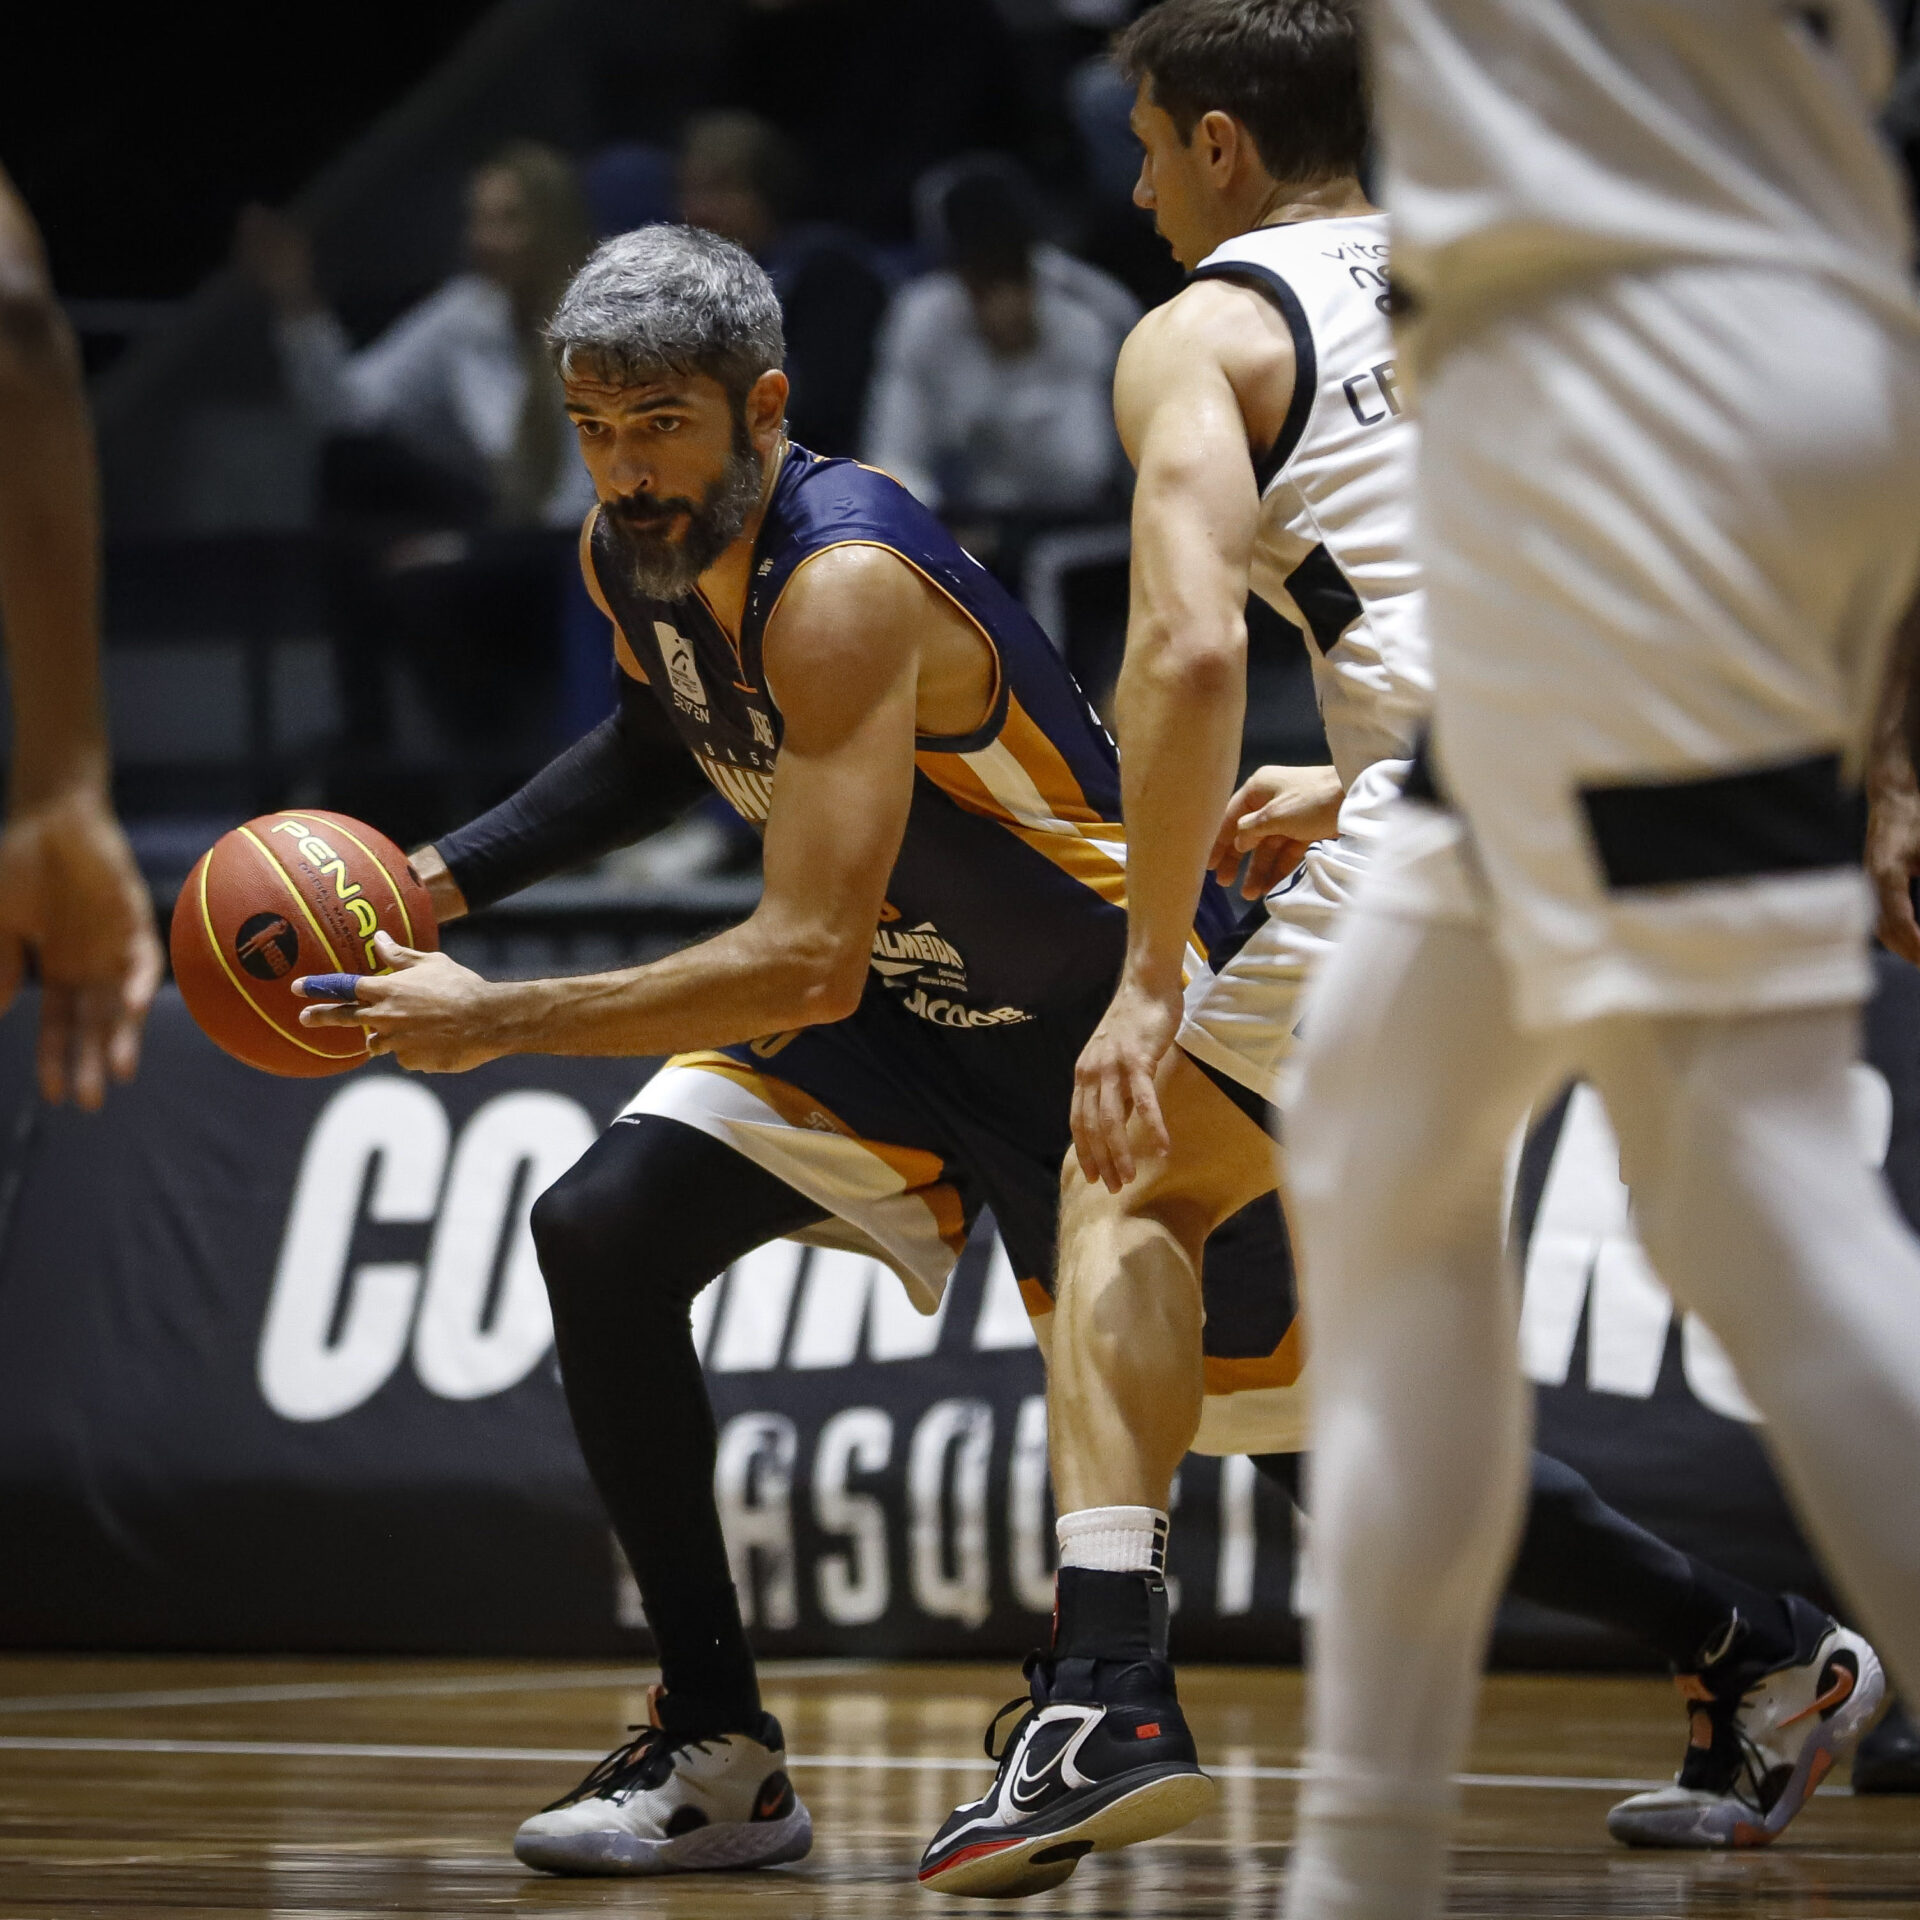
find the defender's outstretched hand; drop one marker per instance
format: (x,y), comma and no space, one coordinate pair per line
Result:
(1277,814)
(432,1014)
(69,890)
(1113,1090)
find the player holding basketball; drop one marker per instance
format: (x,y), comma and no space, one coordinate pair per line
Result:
(1658,273)
(1262,410)
(896,1024)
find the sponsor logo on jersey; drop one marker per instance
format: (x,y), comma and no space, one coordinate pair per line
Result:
(898,953)
(683,672)
(930,974)
(950,1013)
(746,790)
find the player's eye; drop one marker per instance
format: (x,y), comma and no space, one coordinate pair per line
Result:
(590,429)
(667,423)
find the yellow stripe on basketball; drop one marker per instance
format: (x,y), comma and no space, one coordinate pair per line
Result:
(393,886)
(239,986)
(286,880)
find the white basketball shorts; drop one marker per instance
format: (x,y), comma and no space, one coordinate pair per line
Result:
(1668,523)
(1240,1018)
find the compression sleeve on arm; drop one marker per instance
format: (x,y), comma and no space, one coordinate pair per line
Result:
(610,788)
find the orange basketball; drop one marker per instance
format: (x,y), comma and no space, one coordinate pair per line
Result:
(289,894)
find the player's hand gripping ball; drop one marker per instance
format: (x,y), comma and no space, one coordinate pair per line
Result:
(287,895)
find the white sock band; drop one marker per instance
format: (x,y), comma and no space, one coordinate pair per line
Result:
(1114,1539)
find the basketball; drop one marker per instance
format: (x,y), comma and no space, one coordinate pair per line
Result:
(289,894)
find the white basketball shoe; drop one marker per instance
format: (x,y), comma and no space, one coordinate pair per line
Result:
(1760,1739)
(669,1803)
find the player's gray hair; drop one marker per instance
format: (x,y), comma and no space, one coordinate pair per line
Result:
(669,300)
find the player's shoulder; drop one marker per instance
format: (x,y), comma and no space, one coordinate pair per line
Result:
(1211,327)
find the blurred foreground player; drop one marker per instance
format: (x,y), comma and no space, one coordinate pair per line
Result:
(1274,456)
(1655,271)
(69,891)
(896,1024)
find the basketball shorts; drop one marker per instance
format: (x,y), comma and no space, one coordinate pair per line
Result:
(901,1138)
(1241,1011)
(1668,523)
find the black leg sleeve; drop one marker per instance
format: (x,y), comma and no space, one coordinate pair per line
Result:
(646,1218)
(1578,1556)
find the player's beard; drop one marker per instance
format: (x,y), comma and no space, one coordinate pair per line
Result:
(664,568)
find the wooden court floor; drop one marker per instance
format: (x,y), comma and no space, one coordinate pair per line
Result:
(191,1789)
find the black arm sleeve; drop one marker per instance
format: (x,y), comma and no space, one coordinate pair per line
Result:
(628,776)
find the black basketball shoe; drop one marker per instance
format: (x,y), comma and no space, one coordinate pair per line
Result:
(1100,1758)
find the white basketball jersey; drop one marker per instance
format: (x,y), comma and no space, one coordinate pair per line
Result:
(1531,143)
(1333,555)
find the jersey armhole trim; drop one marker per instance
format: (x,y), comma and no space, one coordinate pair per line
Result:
(989,728)
(1306,361)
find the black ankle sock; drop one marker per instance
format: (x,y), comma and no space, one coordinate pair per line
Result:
(706,1667)
(1109,1616)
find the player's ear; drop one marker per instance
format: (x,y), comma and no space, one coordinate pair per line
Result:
(1219,137)
(767,409)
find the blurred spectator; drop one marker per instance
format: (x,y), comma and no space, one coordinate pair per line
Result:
(450,485)
(461,382)
(994,389)
(740,177)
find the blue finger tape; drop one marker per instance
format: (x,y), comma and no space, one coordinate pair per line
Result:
(331,986)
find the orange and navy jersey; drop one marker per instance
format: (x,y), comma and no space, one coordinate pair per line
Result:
(1008,895)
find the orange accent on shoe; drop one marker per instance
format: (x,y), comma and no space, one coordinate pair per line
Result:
(1835,1695)
(1822,1766)
(1746,1834)
(1692,1687)
(1151,1731)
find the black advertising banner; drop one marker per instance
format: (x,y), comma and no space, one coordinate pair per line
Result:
(276,1372)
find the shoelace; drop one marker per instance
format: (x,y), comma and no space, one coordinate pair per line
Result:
(1015,1705)
(644,1762)
(1734,1764)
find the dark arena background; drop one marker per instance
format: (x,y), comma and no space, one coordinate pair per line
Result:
(305,1596)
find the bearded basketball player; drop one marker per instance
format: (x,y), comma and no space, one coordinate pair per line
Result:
(937,800)
(1263,411)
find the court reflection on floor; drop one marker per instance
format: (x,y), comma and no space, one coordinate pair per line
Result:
(312,1788)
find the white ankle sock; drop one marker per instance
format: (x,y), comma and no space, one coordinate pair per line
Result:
(1114,1539)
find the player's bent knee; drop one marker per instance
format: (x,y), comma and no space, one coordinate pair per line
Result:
(567,1222)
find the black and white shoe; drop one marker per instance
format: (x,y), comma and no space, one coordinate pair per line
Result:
(1761,1737)
(1076,1776)
(669,1803)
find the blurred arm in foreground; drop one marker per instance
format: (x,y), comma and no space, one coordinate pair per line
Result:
(69,888)
(1893,796)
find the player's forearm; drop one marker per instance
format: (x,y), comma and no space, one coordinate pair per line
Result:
(49,549)
(1179,710)
(755,979)
(595,796)
(1891,752)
